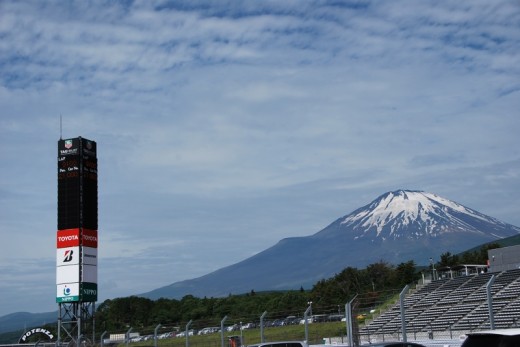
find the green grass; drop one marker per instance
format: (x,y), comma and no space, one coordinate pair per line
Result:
(317,331)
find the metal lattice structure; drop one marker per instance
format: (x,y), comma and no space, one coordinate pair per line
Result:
(76,323)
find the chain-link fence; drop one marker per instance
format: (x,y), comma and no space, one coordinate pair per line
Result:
(316,325)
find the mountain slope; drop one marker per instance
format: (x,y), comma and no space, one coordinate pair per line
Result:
(26,320)
(396,227)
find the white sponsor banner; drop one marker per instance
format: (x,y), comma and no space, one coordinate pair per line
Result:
(89,274)
(67,290)
(67,274)
(90,256)
(67,256)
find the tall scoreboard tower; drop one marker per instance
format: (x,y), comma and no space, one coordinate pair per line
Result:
(77,239)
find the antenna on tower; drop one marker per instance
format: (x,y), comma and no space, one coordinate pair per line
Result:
(61,129)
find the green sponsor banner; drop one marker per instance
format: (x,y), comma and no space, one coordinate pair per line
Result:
(67,299)
(88,292)
(67,292)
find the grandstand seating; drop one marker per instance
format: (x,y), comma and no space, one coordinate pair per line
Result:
(455,304)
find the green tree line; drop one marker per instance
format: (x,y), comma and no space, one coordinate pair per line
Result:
(375,283)
(479,256)
(326,296)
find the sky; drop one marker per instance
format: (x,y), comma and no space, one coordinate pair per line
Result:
(225,126)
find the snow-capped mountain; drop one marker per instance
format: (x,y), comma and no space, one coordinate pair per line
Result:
(415,214)
(396,227)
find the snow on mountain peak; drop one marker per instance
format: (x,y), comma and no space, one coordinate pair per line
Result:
(406,213)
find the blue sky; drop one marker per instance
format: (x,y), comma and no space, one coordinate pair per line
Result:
(224,126)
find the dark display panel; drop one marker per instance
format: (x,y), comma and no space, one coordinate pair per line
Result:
(90,197)
(68,184)
(77,184)
(89,184)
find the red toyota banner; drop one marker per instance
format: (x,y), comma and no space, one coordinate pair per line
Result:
(67,238)
(89,238)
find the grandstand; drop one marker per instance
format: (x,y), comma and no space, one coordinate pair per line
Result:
(454,304)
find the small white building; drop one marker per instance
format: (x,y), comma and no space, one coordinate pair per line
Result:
(504,258)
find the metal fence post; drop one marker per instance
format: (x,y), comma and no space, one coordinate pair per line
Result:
(305,314)
(403,318)
(347,326)
(127,337)
(188,333)
(262,338)
(155,335)
(102,339)
(241,335)
(222,331)
(348,320)
(490,302)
